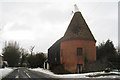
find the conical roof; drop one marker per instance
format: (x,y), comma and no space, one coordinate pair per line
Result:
(78,29)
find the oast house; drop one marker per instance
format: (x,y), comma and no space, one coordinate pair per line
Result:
(77,46)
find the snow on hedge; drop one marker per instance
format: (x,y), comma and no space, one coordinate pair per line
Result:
(83,75)
(4,72)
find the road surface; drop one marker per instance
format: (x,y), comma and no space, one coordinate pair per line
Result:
(25,74)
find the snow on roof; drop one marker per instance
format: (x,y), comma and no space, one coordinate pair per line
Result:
(1,54)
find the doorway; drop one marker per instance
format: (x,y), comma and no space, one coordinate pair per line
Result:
(79,68)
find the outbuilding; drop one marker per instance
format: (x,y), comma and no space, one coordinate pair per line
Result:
(1,60)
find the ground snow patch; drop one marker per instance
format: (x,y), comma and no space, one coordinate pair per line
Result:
(42,70)
(4,72)
(84,75)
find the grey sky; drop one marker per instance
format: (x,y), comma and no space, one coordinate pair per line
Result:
(119,24)
(42,22)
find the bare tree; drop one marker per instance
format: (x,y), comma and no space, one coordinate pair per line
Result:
(31,50)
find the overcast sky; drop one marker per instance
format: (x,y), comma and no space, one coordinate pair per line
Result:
(42,22)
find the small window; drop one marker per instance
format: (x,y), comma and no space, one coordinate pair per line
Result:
(79,52)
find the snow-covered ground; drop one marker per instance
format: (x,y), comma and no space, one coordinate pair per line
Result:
(102,74)
(4,72)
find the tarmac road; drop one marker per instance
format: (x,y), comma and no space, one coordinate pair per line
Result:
(23,73)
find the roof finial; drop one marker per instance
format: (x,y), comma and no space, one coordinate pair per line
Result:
(76,9)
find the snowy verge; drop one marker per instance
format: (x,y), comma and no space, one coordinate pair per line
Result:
(83,75)
(4,72)
(44,71)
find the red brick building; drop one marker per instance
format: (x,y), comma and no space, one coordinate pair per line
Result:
(75,48)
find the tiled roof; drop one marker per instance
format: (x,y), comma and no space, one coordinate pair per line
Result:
(78,29)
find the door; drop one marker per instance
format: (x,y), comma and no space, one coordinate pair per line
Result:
(79,68)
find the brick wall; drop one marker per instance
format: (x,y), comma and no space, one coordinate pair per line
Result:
(69,57)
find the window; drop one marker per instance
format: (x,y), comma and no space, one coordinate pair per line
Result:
(79,52)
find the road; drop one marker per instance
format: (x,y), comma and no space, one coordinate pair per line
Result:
(25,74)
